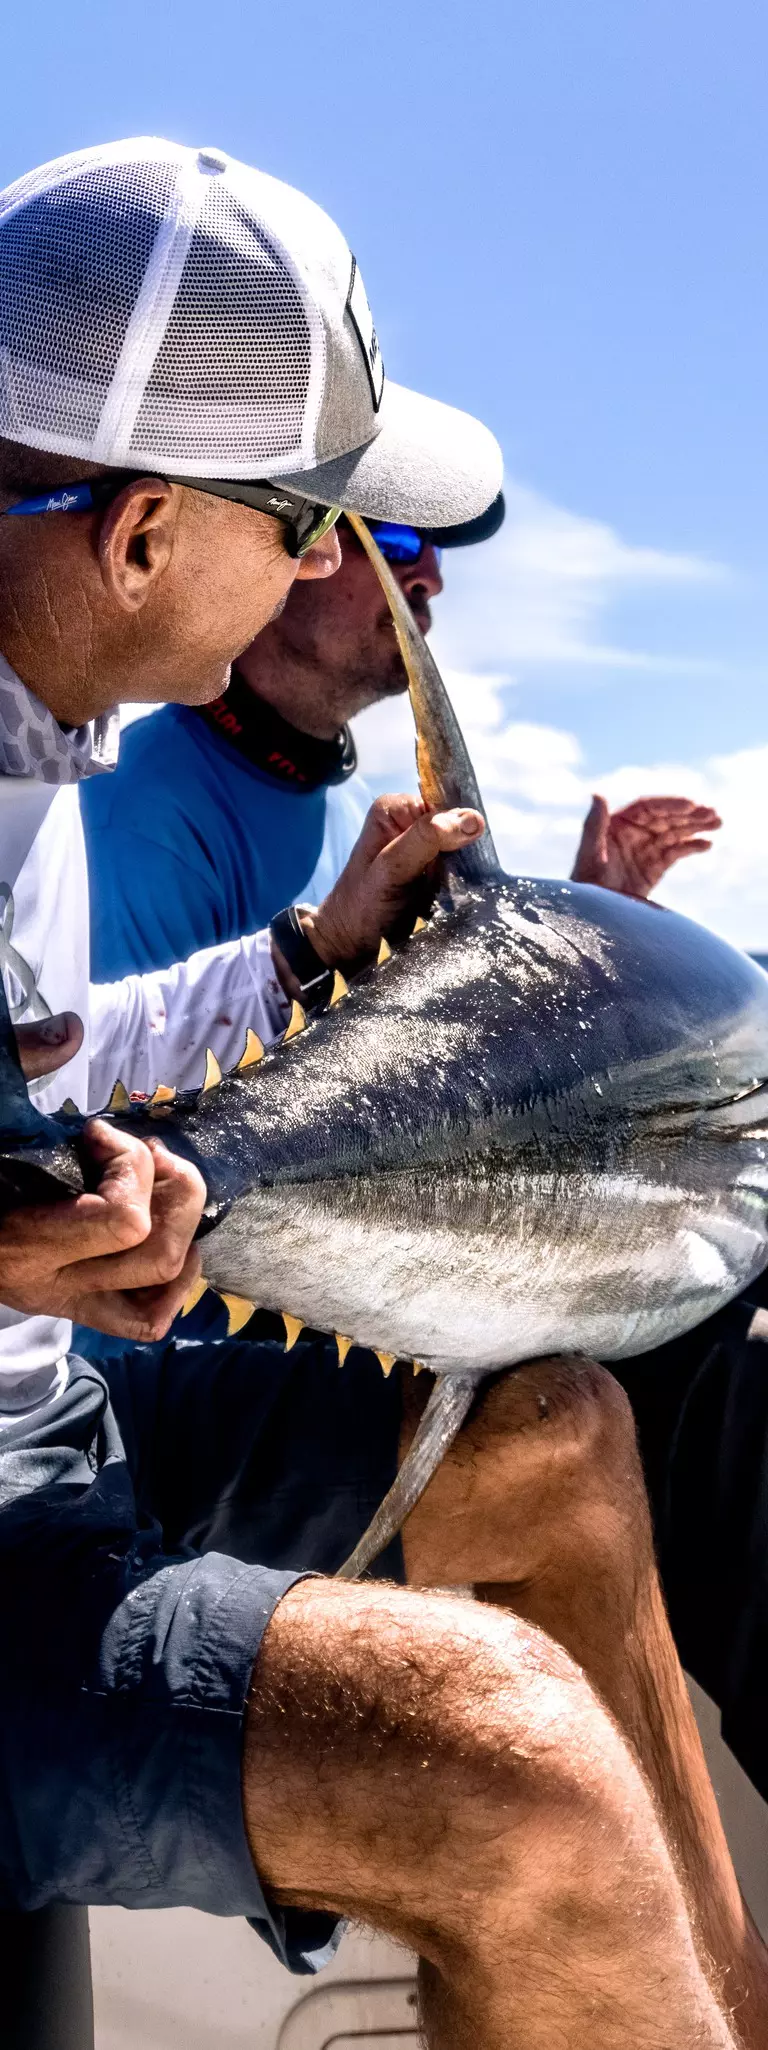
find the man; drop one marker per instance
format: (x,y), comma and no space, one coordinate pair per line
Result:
(219,814)
(170,1725)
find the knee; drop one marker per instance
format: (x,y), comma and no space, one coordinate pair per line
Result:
(571,1409)
(546,1468)
(535,1800)
(461,1743)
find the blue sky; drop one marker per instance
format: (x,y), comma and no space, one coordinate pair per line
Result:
(560,214)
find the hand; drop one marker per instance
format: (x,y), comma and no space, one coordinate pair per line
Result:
(631,850)
(44,1047)
(120,1258)
(399,844)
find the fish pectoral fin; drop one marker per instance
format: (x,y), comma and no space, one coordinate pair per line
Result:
(239,1312)
(296,1023)
(449,1403)
(196,1293)
(212,1071)
(293,1325)
(254,1050)
(119,1101)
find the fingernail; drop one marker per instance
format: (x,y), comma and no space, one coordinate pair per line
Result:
(468,825)
(54,1031)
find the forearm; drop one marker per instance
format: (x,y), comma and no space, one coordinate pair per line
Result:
(155,1028)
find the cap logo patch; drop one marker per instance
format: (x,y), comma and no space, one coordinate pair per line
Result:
(362,320)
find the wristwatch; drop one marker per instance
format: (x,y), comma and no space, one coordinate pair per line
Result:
(314,978)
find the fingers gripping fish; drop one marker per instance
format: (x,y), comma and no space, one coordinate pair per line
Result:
(539,1125)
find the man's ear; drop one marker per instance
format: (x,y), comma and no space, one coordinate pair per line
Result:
(321,560)
(136,539)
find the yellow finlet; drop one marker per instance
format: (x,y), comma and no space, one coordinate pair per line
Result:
(162,1095)
(386,1362)
(212,1071)
(297,1023)
(340,988)
(119,1100)
(385,952)
(418,1366)
(419,924)
(196,1292)
(239,1311)
(293,1325)
(343,1345)
(254,1050)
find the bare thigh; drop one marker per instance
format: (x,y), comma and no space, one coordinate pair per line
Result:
(444,1772)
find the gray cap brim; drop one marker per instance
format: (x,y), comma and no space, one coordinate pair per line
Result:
(429,465)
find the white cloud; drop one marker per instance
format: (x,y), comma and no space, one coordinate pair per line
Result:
(535,785)
(541,592)
(542,589)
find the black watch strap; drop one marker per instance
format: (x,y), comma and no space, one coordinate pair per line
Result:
(314,978)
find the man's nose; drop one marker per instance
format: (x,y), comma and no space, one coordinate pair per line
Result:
(423,574)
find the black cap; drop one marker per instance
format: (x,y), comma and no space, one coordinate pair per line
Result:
(481,529)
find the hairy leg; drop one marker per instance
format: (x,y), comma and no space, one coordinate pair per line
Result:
(445,1773)
(542,1505)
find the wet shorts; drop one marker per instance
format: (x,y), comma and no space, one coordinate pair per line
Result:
(149,1524)
(701,1409)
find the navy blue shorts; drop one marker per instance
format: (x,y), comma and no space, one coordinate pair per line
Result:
(149,1524)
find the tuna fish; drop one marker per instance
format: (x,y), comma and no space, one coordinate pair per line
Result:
(540,1124)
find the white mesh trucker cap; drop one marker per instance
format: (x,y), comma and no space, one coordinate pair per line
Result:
(170,308)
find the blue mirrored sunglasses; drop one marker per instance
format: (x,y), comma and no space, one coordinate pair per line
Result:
(399,544)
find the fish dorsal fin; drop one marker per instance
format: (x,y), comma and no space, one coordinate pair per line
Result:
(446,775)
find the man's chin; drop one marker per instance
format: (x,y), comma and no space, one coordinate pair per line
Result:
(204,690)
(392,686)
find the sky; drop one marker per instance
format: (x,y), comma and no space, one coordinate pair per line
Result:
(560,216)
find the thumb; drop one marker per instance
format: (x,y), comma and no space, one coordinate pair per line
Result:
(46,1046)
(415,850)
(592,852)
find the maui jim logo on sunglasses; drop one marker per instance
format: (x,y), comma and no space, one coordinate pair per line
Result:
(304,521)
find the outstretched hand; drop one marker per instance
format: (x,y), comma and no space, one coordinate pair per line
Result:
(631,850)
(399,844)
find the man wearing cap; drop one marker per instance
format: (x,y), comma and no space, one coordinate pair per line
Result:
(190,378)
(219,814)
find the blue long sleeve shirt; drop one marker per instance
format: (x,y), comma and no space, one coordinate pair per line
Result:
(189,843)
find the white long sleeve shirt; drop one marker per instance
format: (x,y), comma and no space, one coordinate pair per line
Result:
(141,1031)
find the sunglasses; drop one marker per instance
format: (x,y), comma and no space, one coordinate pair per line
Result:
(304,520)
(399,544)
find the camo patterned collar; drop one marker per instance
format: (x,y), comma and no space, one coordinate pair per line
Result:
(33,744)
